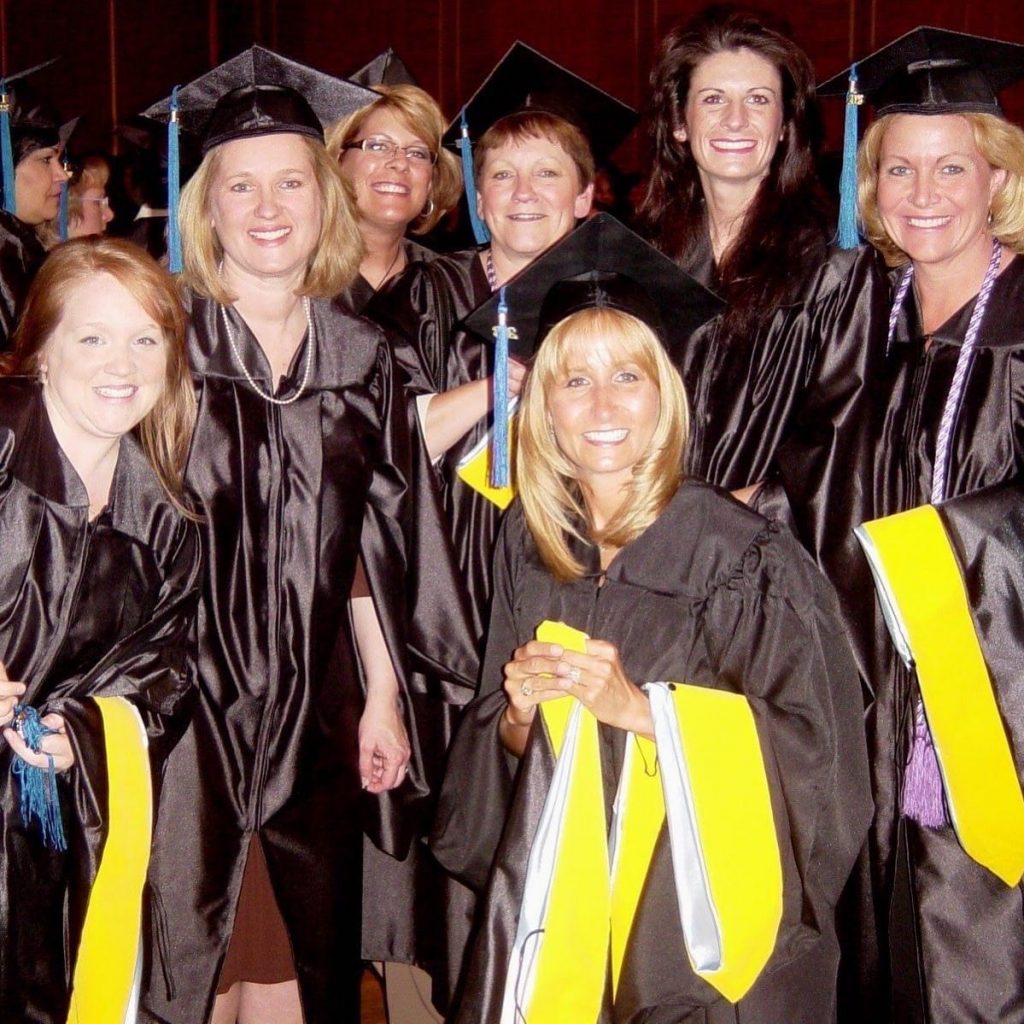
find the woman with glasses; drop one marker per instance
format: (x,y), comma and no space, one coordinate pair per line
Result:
(390,153)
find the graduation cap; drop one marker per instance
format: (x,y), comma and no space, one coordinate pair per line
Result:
(602,264)
(28,121)
(386,68)
(259,92)
(525,79)
(927,71)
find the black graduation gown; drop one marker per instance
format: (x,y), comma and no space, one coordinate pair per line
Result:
(413,911)
(21,254)
(864,449)
(743,389)
(358,294)
(291,495)
(710,594)
(101,608)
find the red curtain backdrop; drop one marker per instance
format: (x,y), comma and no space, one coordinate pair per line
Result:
(120,55)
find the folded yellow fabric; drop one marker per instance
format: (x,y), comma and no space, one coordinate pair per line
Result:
(105,983)
(927,610)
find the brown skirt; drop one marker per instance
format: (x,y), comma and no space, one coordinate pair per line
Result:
(259,950)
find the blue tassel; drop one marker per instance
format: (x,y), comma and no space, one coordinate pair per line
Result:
(173,188)
(480,232)
(39,800)
(6,149)
(62,217)
(499,440)
(848,236)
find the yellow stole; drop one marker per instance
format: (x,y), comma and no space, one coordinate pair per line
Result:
(578,908)
(926,608)
(105,985)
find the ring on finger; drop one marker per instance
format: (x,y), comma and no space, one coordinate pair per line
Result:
(526,689)
(574,674)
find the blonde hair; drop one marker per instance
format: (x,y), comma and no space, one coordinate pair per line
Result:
(547,482)
(419,111)
(93,172)
(166,431)
(1000,143)
(334,262)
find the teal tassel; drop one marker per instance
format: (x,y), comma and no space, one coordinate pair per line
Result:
(848,236)
(499,439)
(38,786)
(480,232)
(6,149)
(62,217)
(173,188)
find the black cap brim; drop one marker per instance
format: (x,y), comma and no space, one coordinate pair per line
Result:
(934,71)
(386,68)
(527,80)
(259,92)
(602,263)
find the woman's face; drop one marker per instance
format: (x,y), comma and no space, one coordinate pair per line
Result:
(529,196)
(733,117)
(391,187)
(37,183)
(603,411)
(105,365)
(266,206)
(96,213)
(935,188)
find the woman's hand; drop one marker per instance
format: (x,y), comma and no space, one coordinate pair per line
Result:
(529,679)
(383,745)
(10,693)
(599,682)
(57,745)
(516,376)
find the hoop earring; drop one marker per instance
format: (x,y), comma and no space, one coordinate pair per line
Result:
(428,210)
(990,219)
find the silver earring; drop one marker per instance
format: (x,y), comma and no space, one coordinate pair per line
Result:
(428,210)
(44,374)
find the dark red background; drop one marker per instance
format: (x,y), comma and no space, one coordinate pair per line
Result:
(121,55)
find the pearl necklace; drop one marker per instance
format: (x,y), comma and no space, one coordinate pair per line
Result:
(248,376)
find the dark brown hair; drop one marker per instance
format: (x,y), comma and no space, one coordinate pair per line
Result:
(790,213)
(166,431)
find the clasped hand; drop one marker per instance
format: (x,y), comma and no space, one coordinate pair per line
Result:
(57,745)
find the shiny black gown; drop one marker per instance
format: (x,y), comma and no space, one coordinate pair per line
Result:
(100,608)
(21,253)
(709,594)
(864,448)
(743,389)
(422,915)
(291,495)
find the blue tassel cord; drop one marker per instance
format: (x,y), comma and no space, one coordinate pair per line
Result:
(38,786)
(499,439)
(848,236)
(480,232)
(62,217)
(6,149)
(174,260)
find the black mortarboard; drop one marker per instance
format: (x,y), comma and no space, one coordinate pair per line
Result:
(259,92)
(386,68)
(525,79)
(602,263)
(934,71)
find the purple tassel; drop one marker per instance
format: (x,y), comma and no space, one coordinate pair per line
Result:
(923,798)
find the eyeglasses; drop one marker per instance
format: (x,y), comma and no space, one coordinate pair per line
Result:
(102,200)
(389,150)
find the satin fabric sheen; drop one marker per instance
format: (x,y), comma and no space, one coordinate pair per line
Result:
(291,495)
(712,595)
(21,254)
(939,941)
(101,608)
